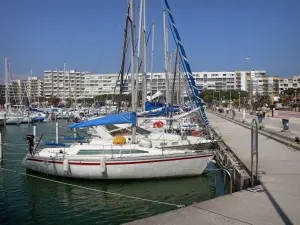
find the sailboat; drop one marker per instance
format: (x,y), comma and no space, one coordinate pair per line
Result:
(12,117)
(122,159)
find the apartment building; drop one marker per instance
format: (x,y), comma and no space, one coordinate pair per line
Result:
(98,84)
(86,85)
(2,94)
(35,88)
(17,90)
(286,83)
(64,84)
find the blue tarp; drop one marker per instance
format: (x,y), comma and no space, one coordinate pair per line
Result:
(153,105)
(54,144)
(72,138)
(126,117)
(38,119)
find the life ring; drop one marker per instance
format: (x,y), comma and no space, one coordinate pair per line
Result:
(158,124)
(196,133)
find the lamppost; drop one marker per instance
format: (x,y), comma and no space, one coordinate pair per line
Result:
(230,98)
(250,86)
(295,99)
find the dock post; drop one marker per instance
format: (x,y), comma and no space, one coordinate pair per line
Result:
(4,124)
(74,135)
(34,132)
(1,147)
(56,124)
(28,117)
(254,149)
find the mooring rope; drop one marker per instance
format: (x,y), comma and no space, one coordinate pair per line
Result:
(93,189)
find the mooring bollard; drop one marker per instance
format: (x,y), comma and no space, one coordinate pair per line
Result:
(285,124)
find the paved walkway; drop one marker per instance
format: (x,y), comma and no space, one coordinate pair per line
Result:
(272,123)
(276,201)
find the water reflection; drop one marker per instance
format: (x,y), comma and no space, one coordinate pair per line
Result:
(87,204)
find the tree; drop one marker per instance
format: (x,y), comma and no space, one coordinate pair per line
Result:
(261,101)
(54,101)
(219,96)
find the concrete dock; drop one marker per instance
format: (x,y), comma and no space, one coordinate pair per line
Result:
(275,201)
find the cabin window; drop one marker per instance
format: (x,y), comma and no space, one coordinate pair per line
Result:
(110,151)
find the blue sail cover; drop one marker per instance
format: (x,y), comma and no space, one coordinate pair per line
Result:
(54,144)
(186,65)
(126,117)
(153,105)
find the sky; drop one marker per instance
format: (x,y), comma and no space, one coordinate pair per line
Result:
(88,35)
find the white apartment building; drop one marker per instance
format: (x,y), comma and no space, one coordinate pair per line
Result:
(98,84)
(286,83)
(64,84)
(35,88)
(87,85)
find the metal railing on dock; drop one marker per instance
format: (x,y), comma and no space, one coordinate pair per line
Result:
(225,171)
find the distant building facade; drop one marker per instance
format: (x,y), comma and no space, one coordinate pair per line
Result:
(35,88)
(74,84)
(99,84)
(286,83)
(64,84)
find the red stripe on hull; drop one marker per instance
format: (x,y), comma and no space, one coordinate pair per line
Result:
(119,163)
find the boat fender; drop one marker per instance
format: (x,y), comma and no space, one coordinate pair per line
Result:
(66,165)
(103,165)
(145,144)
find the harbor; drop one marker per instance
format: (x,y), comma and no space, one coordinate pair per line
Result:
(44,199)
(117,142)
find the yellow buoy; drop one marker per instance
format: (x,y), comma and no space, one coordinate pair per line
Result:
(119,140)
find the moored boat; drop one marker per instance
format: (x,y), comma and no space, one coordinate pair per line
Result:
(123,159)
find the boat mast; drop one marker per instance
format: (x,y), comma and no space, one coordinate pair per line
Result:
(144,76)
(64,80)
(179,84)
(152,60)
(133,102)
(6,84)
(166,58)
(138,52)
(123,60)
(29,86)
(173,85)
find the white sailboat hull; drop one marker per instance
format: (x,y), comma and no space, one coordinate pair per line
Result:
(14,120)
(2,121)
(141,168)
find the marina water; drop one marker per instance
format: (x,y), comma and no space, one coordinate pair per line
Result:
(30,200)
